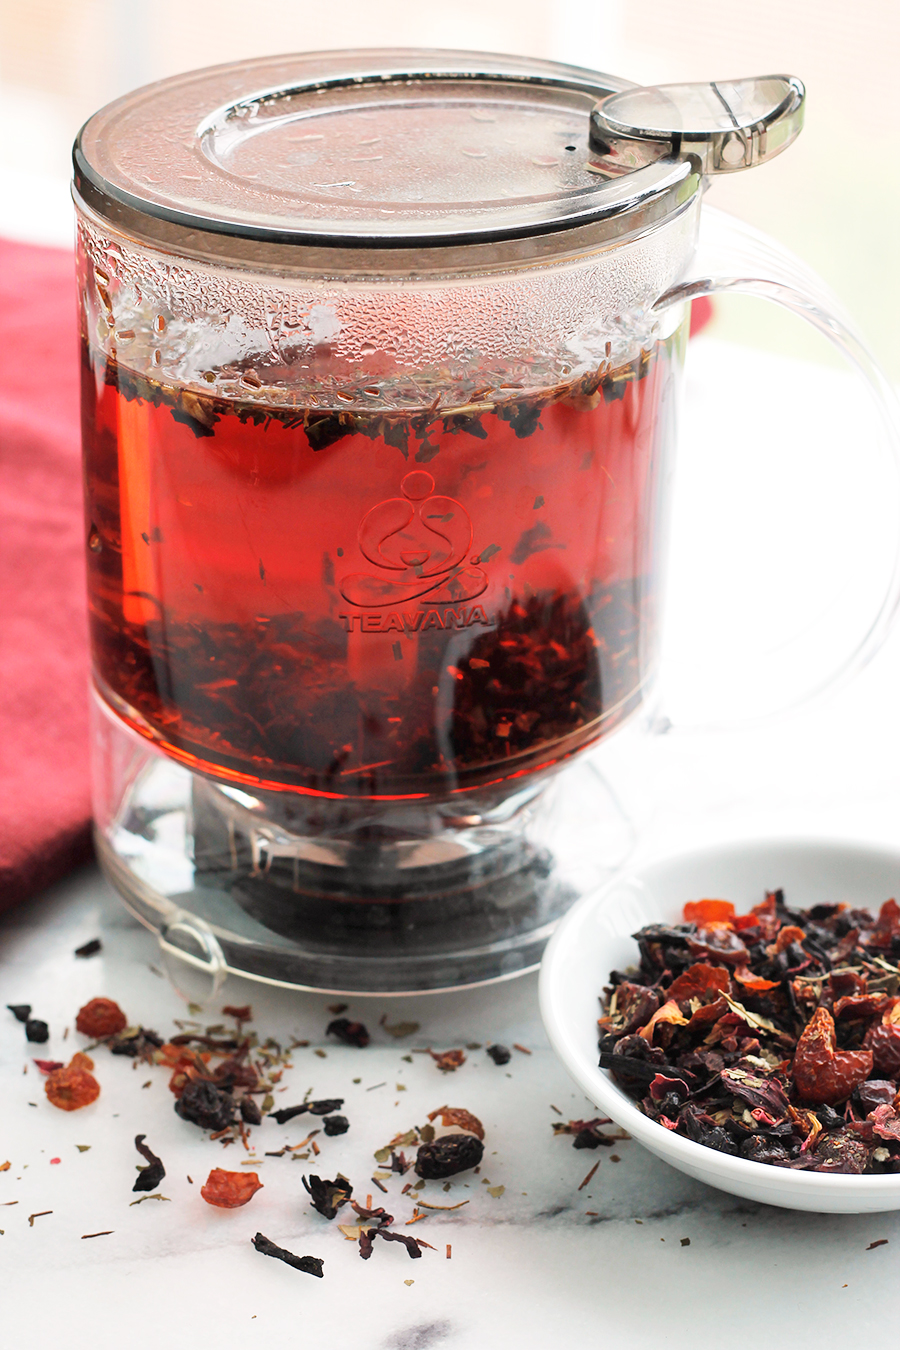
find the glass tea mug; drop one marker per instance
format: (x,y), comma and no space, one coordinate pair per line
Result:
(381,359)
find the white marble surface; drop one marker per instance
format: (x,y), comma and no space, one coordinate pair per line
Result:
(531,1267)
(542,1264)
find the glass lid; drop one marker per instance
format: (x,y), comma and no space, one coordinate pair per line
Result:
(374,149)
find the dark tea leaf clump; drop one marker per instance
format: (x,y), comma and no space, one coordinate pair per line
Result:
(446,1156)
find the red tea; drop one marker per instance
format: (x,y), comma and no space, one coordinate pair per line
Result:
(356,602)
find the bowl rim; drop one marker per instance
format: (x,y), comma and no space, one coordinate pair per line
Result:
(597,1083)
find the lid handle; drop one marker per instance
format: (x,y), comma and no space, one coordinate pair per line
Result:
(726,124)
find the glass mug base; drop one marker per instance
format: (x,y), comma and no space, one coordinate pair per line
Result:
(389,899)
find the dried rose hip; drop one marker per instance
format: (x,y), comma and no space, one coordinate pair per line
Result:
(101,1017)
(74,1086)
(230,1190)
(696,980)
(883,1041)
(445,1157)
(708,911)
(822,1073)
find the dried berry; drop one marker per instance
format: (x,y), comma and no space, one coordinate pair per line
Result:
(351,1033)
(336,1124)
(242,1014)
(250,1112)
(150,1176)
(230,1190)
(74,1086)
(36,1031)
(100,1018)
(310,1265)
(136,1042)
(455,1115)
(328,1196)
(499,1054)
(822,1073)
(449,1155)
(203,1104)
(20,1011)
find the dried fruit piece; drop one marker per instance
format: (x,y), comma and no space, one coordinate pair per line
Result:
(230,1190)
(310,1265)
(448,1060)
(336,1125)
(445,1157)
(20,1011)
(696,980)
(351,1033)
(204,1104)
(708,911)
(499,1054)
(669,1012)
(822,1073)
(74,1086)
(99,1018)
(455,1115)
(36,1031)
(883,1040)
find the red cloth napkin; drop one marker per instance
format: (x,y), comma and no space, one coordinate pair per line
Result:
(44,774)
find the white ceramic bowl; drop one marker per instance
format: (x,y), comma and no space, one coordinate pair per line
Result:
(595,938)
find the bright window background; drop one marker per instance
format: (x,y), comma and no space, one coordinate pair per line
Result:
(833,197)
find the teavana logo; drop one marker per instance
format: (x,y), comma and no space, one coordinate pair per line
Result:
(394,622)
(419,544)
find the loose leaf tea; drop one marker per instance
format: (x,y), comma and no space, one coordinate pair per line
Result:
(328,1196)
(89,948)
(150,1177)
(310,1265)
(282,593)
(772,1036)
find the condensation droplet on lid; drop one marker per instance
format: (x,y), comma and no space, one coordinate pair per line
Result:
(474,154)
(126,335)
(95,543)
(479,115)
(368,349)
(543,161)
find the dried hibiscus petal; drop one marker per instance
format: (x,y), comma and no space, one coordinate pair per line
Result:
(822,1073)
(74,1086)
(696,980)
(230,1190)
(150,1176)
(455,1115)
(99,1018)
(669,1012)
(327,1196)
(310,1265)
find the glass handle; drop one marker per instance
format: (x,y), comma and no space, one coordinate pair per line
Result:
(734,257)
